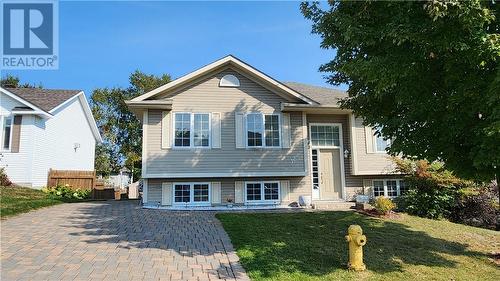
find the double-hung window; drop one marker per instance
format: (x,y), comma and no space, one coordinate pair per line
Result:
(263,130)
(381,144)
(6,133)
(262,192)
(191,130)
(191,193)
(389,187)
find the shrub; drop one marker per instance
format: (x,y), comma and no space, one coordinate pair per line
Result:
(476,207)
(431,203)
(4,180)
(66,192)
(383,205)
(435,192)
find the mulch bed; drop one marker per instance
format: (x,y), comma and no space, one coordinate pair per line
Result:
(373,213)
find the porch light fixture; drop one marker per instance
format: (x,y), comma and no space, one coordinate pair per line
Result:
(76,146)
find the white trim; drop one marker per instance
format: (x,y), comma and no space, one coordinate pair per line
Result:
(221,62)
(263,135)
(227,175)
(341,155)
(312,175)
(90,117)
(21,100)
(229,81)
(64,103)
(191,194)
(305,137)
(374,142)
(23,112)
(328,124)
(145,191)
(191,131)
(386,193)
(354,149)
(144,141)
(2,118)
(262,193)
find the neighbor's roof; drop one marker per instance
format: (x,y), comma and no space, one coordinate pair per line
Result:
(45,99)
(323,95)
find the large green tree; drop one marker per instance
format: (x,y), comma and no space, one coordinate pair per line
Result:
(426,72)
(11,81)
(120,129)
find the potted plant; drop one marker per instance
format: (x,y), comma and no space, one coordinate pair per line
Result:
(229,202)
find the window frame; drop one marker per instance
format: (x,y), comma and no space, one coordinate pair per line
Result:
(388,142)
(263,201)
(191,194)
(263,137)
(191,131)
(386,191)
(338,125)
(2,118)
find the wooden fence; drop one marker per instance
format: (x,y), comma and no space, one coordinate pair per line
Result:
(81,179)
(76,179)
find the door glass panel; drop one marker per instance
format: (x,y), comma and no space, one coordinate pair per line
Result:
(325,135)
(315,168)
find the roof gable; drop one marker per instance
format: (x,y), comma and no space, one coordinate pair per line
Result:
(44,99)
(47,102)
(237,65)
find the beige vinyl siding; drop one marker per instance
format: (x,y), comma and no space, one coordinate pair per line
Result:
(370,163)
(207,96)
(298,187)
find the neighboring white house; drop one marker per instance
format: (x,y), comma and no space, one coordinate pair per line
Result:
(45,129)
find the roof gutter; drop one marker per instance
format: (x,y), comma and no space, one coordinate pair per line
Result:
(138,107)
(312,108)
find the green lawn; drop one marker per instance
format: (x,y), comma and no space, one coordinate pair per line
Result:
(311,246)
(15,200)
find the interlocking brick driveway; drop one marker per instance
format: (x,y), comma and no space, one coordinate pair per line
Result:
(116,241)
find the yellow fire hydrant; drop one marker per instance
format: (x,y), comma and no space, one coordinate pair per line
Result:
(356,241)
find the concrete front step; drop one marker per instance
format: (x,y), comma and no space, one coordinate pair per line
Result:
(333,205)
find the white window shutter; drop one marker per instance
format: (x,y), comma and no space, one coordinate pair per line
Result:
(285,130)
(216,128)
(368,188)
(285,190)
(166,139)
(240,130)
(216,193)
(239,193)
(166,193)
(369,139)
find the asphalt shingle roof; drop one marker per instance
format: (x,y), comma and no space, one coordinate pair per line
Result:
(323,95)
(45,99)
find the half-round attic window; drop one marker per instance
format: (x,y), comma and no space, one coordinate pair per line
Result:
(229,81)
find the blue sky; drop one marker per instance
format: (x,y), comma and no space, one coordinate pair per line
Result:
(101,43)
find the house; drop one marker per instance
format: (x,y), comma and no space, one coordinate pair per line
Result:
(45,129)
(229,134)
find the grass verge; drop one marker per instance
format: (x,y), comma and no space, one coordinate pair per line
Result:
(16,200)
(311,246)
